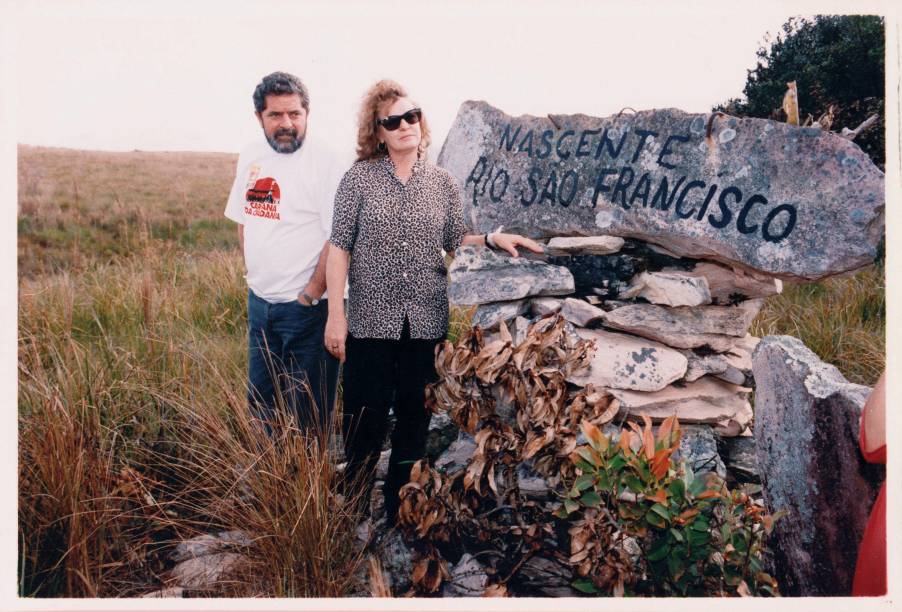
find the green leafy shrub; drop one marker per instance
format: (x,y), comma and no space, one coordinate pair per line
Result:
(644,524)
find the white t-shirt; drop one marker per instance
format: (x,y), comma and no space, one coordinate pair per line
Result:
(284,201)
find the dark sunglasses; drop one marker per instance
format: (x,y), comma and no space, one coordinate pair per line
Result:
(393,122)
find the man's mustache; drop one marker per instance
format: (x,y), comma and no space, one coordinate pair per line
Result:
(286,132)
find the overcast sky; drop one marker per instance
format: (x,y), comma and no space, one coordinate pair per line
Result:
(179,76)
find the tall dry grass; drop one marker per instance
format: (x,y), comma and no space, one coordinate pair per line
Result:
(135,434)
(842,319)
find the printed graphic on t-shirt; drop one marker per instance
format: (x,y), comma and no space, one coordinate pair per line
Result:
(262,199)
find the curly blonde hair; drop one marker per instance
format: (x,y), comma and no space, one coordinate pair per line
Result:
(367,131)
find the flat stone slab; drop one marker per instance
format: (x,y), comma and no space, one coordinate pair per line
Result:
(442,432)
(580,312)
(672,288)
(542,306)
(736,425)
(715,326)
(589,245)
(732,285)
(795,202)
(716,365)
(806,434)
(397,562)
(480,276)
(489,316)
(740,354)
(621,361)
(706,400)
(610,274)
(518,330)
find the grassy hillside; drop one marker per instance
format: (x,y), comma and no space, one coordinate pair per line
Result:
(79,207)
(132,358)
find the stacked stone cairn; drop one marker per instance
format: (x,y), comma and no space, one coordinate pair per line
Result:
(670,334)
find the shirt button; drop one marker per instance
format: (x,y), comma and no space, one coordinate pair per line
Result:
(403,244)
(404,275)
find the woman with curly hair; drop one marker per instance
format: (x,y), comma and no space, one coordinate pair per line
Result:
(394,215)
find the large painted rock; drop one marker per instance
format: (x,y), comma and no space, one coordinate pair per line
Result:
(795,202)
(806,431)
(479,276)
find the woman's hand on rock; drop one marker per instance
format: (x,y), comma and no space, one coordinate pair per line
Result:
(510,242)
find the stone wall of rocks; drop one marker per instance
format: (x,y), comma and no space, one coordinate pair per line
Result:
(671,334)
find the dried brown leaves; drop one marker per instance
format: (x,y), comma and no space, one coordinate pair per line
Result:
(515,401)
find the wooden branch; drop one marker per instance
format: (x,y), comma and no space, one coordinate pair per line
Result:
(865,125)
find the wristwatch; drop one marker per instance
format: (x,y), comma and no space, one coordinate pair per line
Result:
(489,241)
(309,299)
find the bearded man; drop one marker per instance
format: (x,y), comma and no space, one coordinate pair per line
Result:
(282,201)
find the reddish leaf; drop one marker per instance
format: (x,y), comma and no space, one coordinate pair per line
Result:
(688,514)
(660,496)
(596,438)
(665,429)
(661,463)
(648,439)
(624,443)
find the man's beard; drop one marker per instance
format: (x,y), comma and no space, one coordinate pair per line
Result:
(285,146)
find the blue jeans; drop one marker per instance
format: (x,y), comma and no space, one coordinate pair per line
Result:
(288,365)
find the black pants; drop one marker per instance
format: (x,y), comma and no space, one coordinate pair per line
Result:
(379,374)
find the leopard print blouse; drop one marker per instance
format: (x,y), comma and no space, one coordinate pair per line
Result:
(395,233)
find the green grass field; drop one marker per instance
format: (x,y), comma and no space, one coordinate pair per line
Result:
(132,427)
